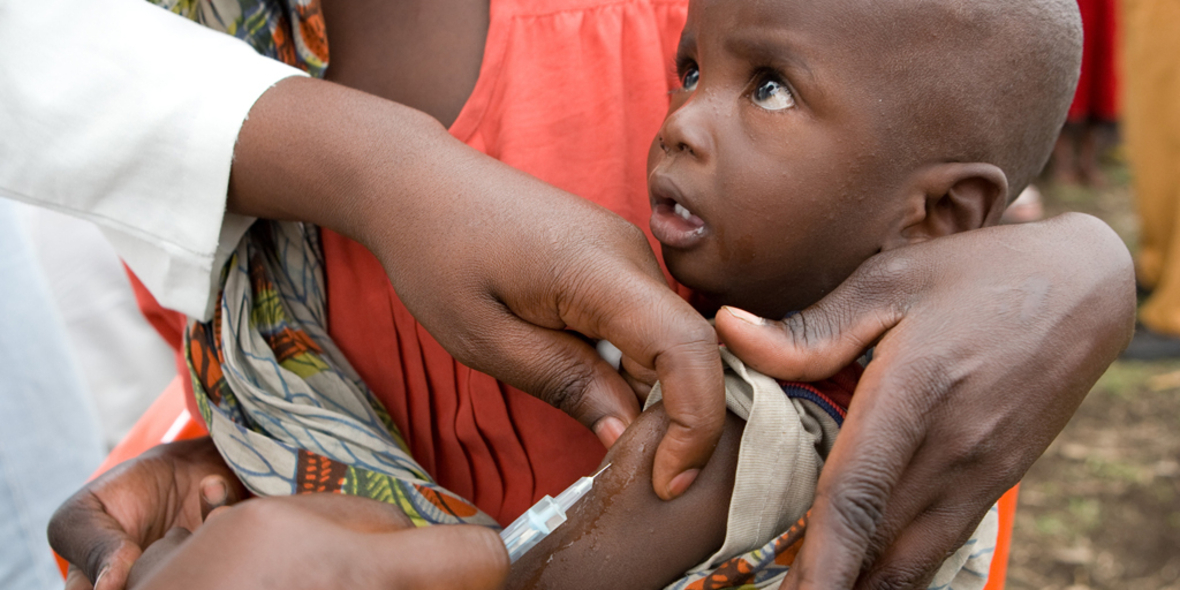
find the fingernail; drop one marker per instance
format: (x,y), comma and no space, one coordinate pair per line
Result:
(745,316)
(609,430)
(681,482)
(101,573)
(214,491)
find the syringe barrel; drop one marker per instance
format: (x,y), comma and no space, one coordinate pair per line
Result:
(567,498)
(532,526)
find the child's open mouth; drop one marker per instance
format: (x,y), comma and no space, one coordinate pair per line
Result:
(672,223)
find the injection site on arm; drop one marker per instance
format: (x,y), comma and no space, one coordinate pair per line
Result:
(543,517)
(621,523)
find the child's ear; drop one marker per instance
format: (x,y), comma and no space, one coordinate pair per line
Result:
(954,197)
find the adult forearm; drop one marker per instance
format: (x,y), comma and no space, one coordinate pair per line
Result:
(322,153)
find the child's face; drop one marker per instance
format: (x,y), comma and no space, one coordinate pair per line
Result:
(777,149)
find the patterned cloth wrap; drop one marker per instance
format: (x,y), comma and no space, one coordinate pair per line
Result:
(291,416)
(291,31)
(283,405)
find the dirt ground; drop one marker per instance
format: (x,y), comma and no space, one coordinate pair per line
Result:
(1101,508)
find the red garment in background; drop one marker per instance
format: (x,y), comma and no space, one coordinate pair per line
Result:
(1097,97)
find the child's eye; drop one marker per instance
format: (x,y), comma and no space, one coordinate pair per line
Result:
(772,95)
(689,76)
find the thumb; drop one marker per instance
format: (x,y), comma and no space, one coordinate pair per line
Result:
(86,536)
(156,555)
(819,341)
(443,557)
(113,576)
(216,492)
(664,334)
(810,345)
(76,580)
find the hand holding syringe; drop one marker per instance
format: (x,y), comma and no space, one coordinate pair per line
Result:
(540,520)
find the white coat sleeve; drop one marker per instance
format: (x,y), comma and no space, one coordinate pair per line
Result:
(125,114)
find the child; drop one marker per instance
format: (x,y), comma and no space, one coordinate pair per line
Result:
(808,136)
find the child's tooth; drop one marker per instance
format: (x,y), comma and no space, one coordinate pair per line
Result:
(681,211)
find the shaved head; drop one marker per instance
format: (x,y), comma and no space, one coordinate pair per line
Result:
(978,80)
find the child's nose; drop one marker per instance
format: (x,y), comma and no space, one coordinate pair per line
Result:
(685,133)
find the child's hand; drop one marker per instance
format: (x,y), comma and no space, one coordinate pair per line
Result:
(987,341)
(104,528)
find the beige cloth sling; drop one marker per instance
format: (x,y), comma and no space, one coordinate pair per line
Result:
(782,453)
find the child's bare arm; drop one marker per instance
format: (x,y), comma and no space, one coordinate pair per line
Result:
(621,535)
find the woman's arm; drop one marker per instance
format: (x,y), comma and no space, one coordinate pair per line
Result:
(621,535)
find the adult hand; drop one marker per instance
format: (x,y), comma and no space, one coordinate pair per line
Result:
(103,529)
(493,262)
(987,341)
(324,542)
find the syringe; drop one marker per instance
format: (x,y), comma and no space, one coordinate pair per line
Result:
(540,520)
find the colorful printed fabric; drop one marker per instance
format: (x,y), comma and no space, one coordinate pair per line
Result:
(767,566)
(291,31)
(283,405)
(764,567)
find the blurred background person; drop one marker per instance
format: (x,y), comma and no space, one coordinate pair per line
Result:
(1091,124)
(1151,124)
(1091,128)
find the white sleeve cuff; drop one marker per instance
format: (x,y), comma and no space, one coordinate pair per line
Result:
(124,114)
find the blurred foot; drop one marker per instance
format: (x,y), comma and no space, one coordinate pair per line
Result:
(1149,345)
(1027,207)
